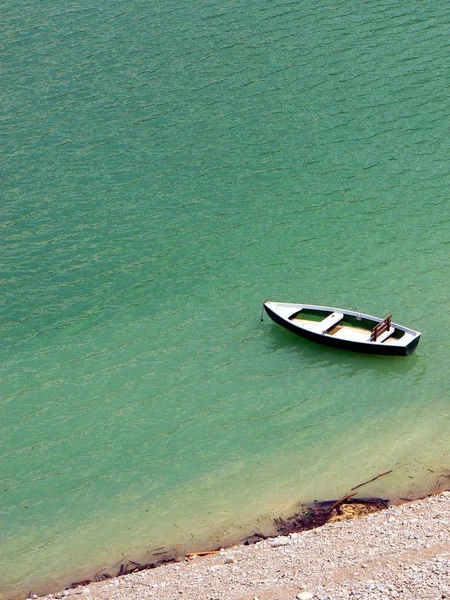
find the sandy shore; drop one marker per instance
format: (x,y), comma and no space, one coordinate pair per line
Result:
(400,552)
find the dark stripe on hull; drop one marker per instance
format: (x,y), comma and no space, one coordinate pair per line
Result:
(344,344)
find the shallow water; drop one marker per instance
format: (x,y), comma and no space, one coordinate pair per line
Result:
(166,169)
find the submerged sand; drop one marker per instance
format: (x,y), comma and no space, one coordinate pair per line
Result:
(400,552)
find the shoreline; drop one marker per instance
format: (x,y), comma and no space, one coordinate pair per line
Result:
(167,573)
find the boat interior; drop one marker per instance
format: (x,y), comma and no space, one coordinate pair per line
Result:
(348,327)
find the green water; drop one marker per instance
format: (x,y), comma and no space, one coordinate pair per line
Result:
(167,166)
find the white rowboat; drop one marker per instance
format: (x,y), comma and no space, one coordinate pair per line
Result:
(346,329)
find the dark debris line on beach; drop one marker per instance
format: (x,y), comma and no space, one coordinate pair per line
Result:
(128,567)
(310,517)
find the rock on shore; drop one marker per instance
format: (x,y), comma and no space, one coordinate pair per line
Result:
(401,552)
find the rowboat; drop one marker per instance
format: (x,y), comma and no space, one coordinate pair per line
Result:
(345,329)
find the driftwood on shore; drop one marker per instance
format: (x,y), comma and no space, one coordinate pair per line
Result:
(202,553)
(340,501)
(370,480)
(320,513)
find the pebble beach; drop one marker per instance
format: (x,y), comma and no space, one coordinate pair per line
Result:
(400,552)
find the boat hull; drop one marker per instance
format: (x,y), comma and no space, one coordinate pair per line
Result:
(327,340)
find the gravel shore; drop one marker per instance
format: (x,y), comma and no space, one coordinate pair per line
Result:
(400,552)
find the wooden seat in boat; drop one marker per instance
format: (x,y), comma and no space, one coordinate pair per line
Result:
(331,321)
(382,330)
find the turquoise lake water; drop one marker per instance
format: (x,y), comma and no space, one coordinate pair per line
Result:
(166,167)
